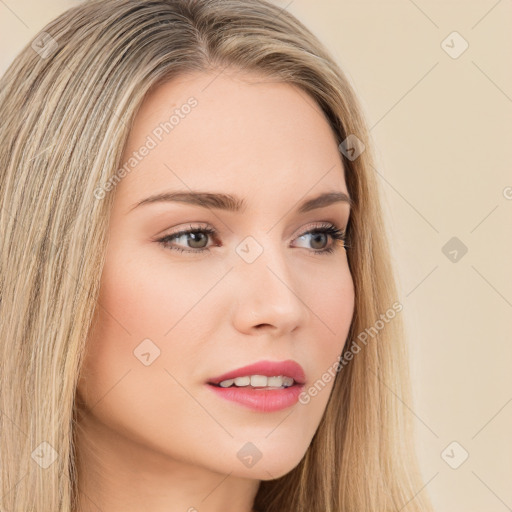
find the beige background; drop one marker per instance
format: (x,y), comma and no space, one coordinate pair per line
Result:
(442,128)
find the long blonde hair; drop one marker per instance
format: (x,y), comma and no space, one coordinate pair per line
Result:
(67,103)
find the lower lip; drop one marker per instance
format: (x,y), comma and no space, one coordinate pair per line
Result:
(260,399)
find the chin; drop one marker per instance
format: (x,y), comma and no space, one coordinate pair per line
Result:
(273,465)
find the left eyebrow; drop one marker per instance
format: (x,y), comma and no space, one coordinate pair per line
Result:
(235,204)
(323,200)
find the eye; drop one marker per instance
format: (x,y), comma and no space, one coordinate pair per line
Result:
(322,233)
(196,239)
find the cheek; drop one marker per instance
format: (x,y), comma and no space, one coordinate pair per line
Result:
(331,307)
(331,304)
(148,297)
(147,307)
(139,305)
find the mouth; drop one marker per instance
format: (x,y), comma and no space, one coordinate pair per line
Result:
(265,386)
(263,374)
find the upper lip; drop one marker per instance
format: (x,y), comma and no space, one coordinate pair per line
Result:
(288,368)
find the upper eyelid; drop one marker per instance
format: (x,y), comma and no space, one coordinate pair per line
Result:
(310,227)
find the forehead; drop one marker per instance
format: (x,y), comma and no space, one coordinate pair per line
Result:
(230,131)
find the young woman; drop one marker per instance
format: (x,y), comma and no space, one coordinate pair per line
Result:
(198,311)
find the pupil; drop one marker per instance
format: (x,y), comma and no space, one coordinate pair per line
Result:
(196,236)
(316,236)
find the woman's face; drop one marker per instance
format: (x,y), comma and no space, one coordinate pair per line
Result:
(174,315)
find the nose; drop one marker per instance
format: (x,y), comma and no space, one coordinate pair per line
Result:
(267,295)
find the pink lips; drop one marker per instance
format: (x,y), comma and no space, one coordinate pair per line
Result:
(287,368)
(263,399)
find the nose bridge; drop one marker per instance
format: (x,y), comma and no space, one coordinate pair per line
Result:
(268,289)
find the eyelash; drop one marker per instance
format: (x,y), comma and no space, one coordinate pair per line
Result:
(338,235)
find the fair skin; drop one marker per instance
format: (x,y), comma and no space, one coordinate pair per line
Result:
(155,437)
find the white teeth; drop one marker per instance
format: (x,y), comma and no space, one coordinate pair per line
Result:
(275,381)
(258,381)
(288,381)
